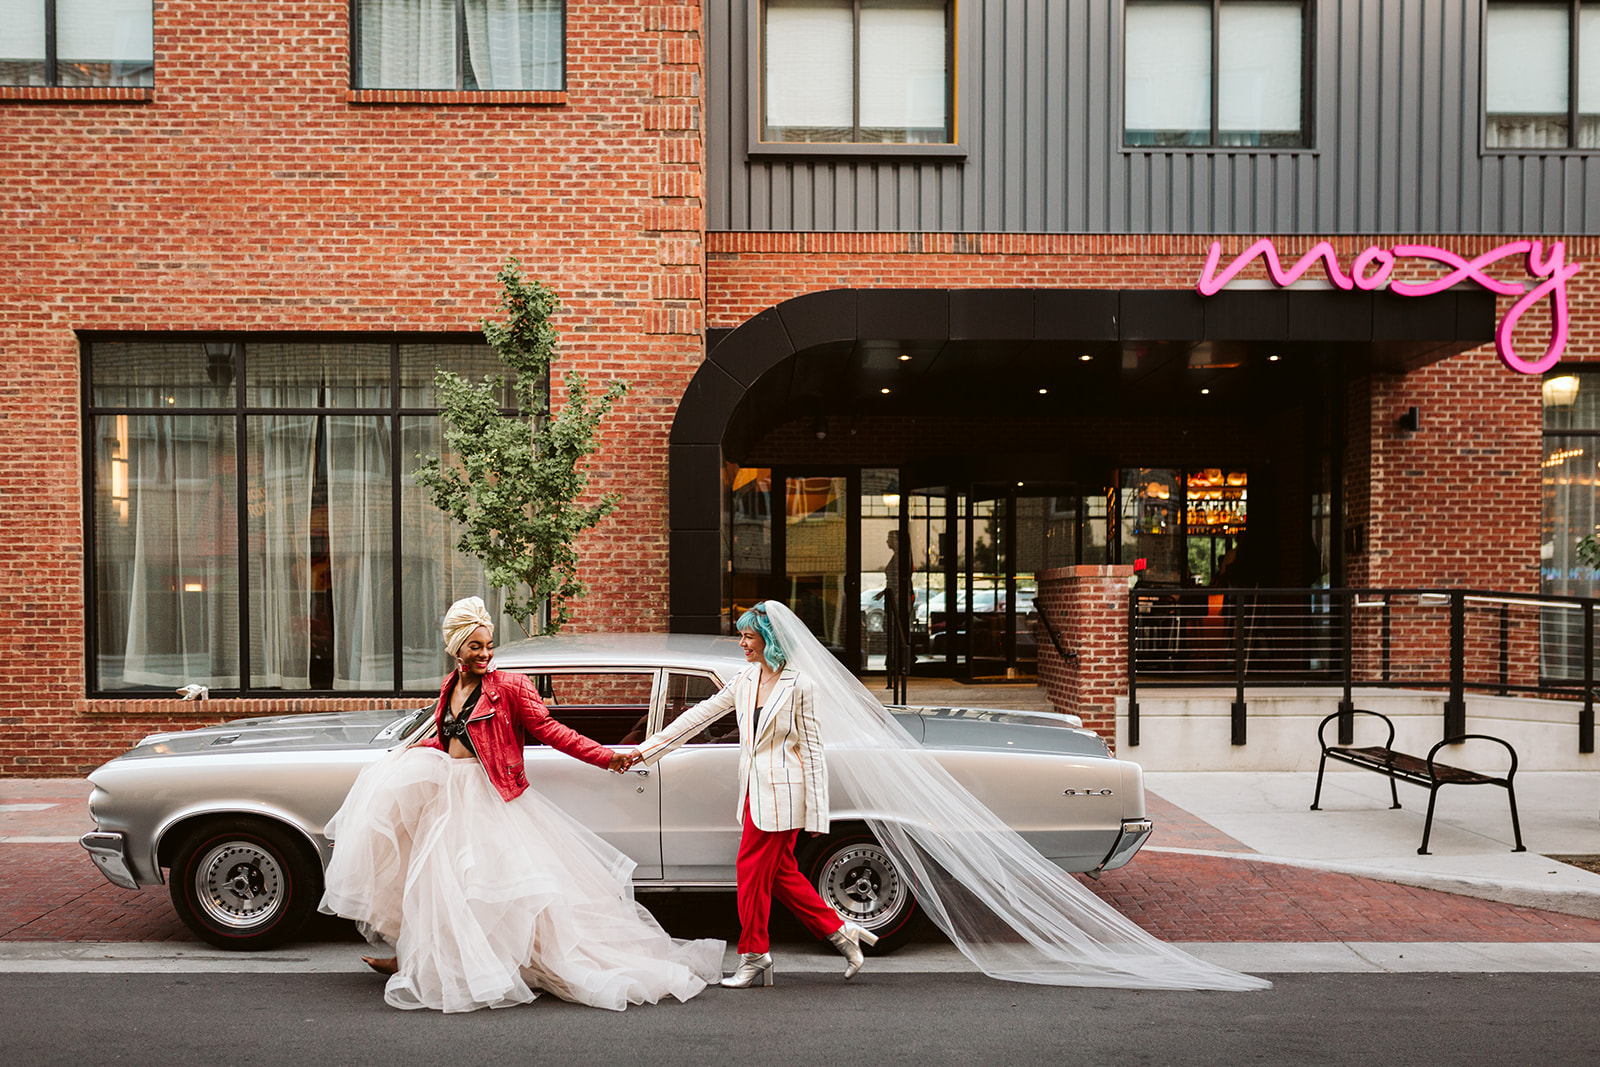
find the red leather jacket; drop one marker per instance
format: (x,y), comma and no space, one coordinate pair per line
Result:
(508,712)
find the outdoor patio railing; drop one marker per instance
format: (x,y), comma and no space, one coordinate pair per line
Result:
(1457,640)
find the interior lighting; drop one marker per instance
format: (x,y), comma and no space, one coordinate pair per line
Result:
(1205,392)
(884,390)
(193,587)
(904,358)
(1086,357)
(1560,392)
(1044,392)
(1273,358)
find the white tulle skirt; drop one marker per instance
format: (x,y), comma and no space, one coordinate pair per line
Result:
(490,902)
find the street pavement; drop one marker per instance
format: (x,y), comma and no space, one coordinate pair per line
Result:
(1238,871)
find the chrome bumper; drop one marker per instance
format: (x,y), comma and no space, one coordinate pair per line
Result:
(109,854)
(1129,841)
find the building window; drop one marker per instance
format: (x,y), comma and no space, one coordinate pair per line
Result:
(253,522)
(857,71)
(1570,512)
(1542,75)
(77,43)
(1257,97)
(468,45)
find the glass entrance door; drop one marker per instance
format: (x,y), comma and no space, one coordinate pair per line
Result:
(818,582)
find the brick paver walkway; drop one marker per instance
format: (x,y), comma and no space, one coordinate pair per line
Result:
(52,892)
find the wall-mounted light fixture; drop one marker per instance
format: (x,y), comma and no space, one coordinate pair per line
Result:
(1411,421)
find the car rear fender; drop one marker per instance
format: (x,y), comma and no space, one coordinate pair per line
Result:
(170,834)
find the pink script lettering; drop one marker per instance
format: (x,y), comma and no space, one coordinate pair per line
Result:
(1372,268)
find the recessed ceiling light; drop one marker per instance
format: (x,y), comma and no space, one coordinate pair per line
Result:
(905,358)
(1273,358)
(884,391)
(1019,485)
(1205,392)
(1086,357)
(1044,392)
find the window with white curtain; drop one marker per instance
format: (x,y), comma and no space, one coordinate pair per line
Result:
(254,522)
(1542,74)
(856,71)
(488,45)
(77,42)
(1227,73)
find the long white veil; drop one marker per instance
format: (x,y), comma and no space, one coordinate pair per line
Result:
(1012,912)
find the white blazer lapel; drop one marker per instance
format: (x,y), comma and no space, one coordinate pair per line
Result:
(775,702)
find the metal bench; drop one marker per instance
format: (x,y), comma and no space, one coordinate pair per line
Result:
(1427,772)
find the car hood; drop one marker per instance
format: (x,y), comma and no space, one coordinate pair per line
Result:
(990,728)
(335,730)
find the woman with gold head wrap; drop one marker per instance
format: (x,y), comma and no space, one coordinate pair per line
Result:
(489,892)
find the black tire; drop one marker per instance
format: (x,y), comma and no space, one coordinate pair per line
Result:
(858,878)
(244,884)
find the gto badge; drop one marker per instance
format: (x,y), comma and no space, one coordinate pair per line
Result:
(1088,793)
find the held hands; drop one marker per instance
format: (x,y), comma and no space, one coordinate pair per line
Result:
(622,761)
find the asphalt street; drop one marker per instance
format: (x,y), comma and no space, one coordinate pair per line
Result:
(815,1018)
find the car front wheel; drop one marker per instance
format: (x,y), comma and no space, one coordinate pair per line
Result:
(244,883)
(860,880)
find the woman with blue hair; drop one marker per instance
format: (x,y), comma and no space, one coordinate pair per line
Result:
(783,786)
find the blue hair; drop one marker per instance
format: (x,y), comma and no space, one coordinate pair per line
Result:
(756,619)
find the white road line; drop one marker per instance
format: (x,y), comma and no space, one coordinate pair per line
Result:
(1364,957)
(27,807)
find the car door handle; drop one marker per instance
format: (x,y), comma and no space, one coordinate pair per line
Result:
(644,773)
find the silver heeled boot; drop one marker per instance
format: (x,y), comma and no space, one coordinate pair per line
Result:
(755,968)
(848,939)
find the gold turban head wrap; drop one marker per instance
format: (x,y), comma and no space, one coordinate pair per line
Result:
(464,616)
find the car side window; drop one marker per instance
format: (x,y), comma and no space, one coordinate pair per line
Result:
(611,707)
(684,691)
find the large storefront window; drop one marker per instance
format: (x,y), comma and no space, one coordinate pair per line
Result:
(1571,511)
(255,525)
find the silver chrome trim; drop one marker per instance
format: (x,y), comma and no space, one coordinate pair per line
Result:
(109,854)
(1129,841)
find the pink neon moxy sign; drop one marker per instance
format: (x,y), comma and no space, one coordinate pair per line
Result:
(1371,270)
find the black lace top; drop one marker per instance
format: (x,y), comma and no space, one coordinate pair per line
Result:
(457,727)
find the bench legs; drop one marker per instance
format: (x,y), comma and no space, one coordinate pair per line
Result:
(1427,826)
(1516,827)
(1394,794)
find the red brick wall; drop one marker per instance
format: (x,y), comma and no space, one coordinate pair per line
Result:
(1088,606)
(249,191)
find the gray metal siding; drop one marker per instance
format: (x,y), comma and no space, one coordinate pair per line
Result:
(1396,128)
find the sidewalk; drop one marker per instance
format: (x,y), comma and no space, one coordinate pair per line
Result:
(1236,865)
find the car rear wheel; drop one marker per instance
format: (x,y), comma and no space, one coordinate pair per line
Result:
(857,877)
(244,883)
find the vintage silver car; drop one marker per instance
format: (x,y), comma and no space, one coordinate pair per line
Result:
(236,812)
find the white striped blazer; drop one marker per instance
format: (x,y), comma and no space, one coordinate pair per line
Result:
(781,769)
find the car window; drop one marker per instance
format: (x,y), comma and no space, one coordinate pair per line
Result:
(611,707)
(684,691)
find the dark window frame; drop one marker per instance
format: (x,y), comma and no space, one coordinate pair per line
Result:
(462,60)
(239,342)
(52,64)
(758,116)
(1573,30)
(1308,83)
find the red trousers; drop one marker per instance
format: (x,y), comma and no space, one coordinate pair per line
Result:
(766,868)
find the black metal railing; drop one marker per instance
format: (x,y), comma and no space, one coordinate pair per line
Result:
(1451,639)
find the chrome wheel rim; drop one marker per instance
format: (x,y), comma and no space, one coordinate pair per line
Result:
(863,885)
(239,885)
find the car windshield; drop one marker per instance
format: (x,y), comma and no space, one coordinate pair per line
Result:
(406,725)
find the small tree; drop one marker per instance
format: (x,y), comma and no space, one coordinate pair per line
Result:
(516,480)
